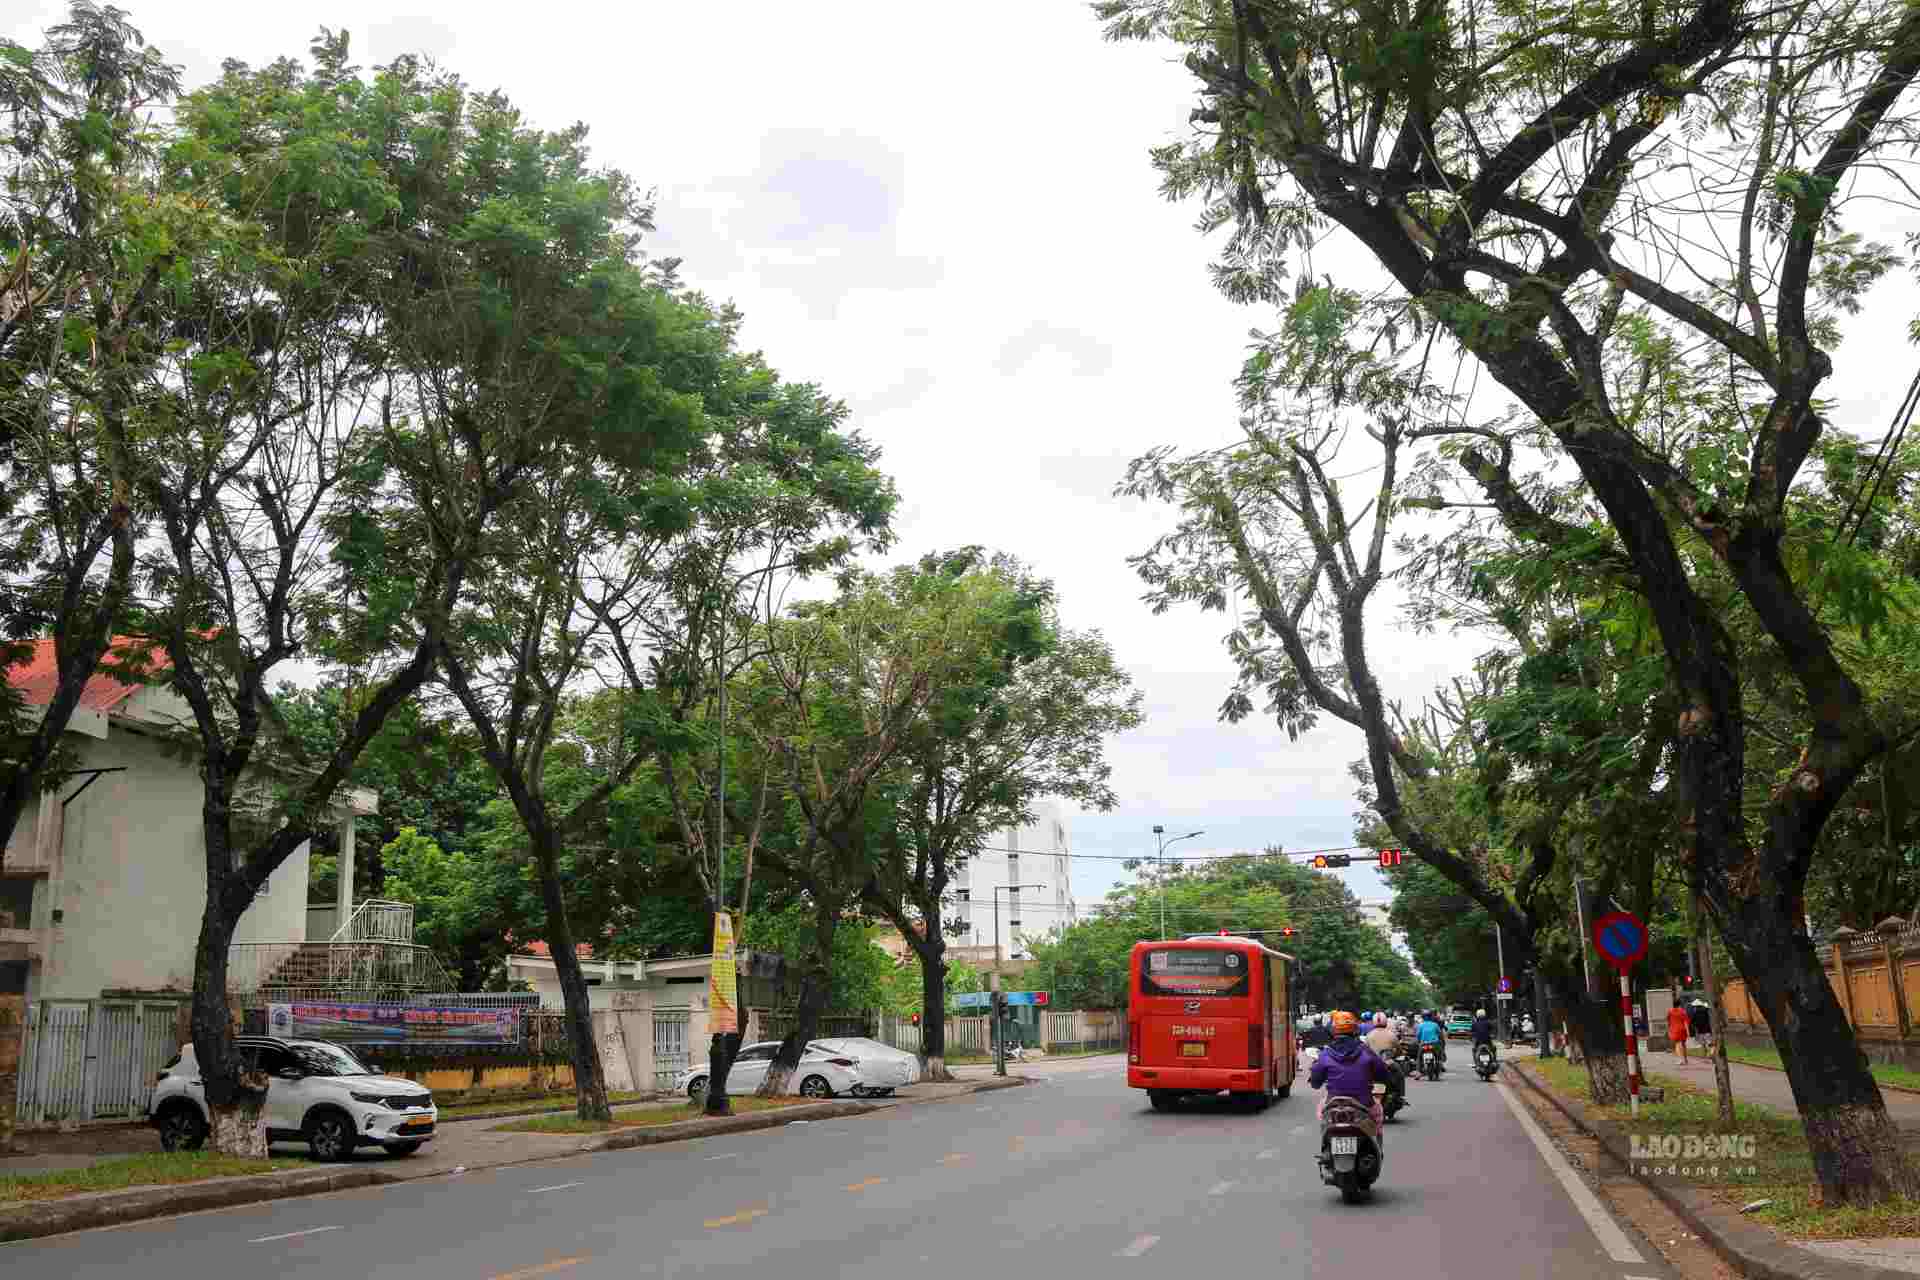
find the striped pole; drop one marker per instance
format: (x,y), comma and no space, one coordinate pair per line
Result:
(1633,1044)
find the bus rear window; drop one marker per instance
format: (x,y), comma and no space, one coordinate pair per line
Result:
(1198,971)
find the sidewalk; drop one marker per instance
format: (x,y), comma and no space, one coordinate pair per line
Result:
(1770,1088)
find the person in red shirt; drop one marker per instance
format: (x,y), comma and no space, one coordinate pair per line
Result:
(1677,1030)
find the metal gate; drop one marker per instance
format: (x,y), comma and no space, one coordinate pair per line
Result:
(669,1046)
(92,1059)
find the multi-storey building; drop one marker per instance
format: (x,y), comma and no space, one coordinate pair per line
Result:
(1028,871)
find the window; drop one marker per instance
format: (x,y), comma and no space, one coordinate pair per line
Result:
(761,1053)
(1199,971)
(1014,923)
(966,895)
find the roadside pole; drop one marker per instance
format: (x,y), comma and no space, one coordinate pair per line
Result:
(1633,1042)
(998,1027)
(1710,979)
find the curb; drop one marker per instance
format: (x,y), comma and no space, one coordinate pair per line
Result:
(1752,1250)
(110,1208)
(551,1111)
(681,1130)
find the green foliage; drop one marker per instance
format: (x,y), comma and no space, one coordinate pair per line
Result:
(861,973)
(1342,960)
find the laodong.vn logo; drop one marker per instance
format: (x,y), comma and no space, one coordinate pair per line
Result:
(1692,1146)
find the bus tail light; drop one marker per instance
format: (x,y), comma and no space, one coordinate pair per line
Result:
(1133,1043)
(1256,1034)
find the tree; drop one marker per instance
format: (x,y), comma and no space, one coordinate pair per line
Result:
(847,682)
(88,253)
(1503,169)
(1031,722)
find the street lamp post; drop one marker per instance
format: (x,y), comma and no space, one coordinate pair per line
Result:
(1160,835)
(999,1014)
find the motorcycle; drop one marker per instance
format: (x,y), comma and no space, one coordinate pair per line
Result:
(1484,1062)
(1393,1097)
(1350,1153)
(1430,1061)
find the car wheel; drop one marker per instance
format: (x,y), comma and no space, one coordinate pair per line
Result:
(1161,1099)
(815,1087)
(403,1148)
(697,1088)
(182,1129)
(330,1136)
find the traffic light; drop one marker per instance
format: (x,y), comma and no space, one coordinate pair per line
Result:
(1288,931)
(1039,997)
(1391,857)
(1324,861)
(916,1019)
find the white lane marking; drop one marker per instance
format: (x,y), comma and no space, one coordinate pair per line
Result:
(1605,1229)
(1297,1130)
(1139,1246)
(1219,1188)
(310,1231)
(558,1186)
(731,1155)
(1268,1154)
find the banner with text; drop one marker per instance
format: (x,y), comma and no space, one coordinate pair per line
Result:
(723,984)
(392,1023)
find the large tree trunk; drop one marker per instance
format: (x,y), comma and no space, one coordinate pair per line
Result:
(1603,1048)
(589,1081)
(813,1002)
(236,1099)
(1856,1150)
(932,951)
(720,1055)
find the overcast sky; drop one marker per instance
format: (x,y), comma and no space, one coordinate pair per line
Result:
(946,217)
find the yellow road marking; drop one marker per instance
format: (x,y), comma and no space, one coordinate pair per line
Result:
(545,1268)
(745,1215)
(955,1158)
(862,1186)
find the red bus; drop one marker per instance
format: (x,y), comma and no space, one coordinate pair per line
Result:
(1210,1015)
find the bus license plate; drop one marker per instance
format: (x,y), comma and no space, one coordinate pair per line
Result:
(1345,1146)
(1194,1049)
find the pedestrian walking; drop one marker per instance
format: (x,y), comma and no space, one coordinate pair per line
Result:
(1678,1027)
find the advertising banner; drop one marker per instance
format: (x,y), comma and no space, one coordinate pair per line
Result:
(392,1023)
(723,985)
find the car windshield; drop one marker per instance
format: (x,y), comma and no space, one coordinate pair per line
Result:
(327,1060)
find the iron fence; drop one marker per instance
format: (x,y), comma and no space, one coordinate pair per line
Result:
(87,1060)
(670,1047)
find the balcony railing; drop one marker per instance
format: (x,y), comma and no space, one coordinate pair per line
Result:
(340,970)
(378,920)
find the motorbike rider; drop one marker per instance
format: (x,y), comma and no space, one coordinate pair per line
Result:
(1482,1032)
(1432,1033)
(1348,1069)
(1317,1035)
(1382,1041)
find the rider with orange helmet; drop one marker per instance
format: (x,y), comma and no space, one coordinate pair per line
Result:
(1348,1068)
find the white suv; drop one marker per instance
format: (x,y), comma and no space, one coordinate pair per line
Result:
(317,1093)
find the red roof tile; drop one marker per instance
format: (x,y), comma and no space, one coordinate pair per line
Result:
(36,677)
(581,949)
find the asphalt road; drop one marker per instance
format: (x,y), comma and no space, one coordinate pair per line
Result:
(1063,1177)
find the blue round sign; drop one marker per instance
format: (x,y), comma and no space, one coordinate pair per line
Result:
(1621,938)
(1506,985)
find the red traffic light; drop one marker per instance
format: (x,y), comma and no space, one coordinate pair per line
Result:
(1039,997)
(916,1019)
(1391,857)
(1287,932)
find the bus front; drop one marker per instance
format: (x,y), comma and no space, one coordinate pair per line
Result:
(1195,1019)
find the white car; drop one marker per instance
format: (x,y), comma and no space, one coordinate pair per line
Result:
(819,1075)
(317,1093)
(881,1067)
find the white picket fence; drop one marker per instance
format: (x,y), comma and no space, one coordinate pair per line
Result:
(1060,1030)
(92,1059)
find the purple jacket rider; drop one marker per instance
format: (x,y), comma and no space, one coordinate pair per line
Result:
(1349,1069)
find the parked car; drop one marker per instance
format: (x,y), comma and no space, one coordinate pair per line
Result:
(819,1075)
(318,1093)
(881,1068)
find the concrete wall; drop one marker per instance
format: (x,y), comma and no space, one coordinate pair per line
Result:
(130,879)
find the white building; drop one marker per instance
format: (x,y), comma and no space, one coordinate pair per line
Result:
(104,880)
(1028,872)
(1377,914)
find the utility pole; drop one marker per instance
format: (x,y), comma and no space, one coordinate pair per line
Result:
(1159,834)
(999,1026)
